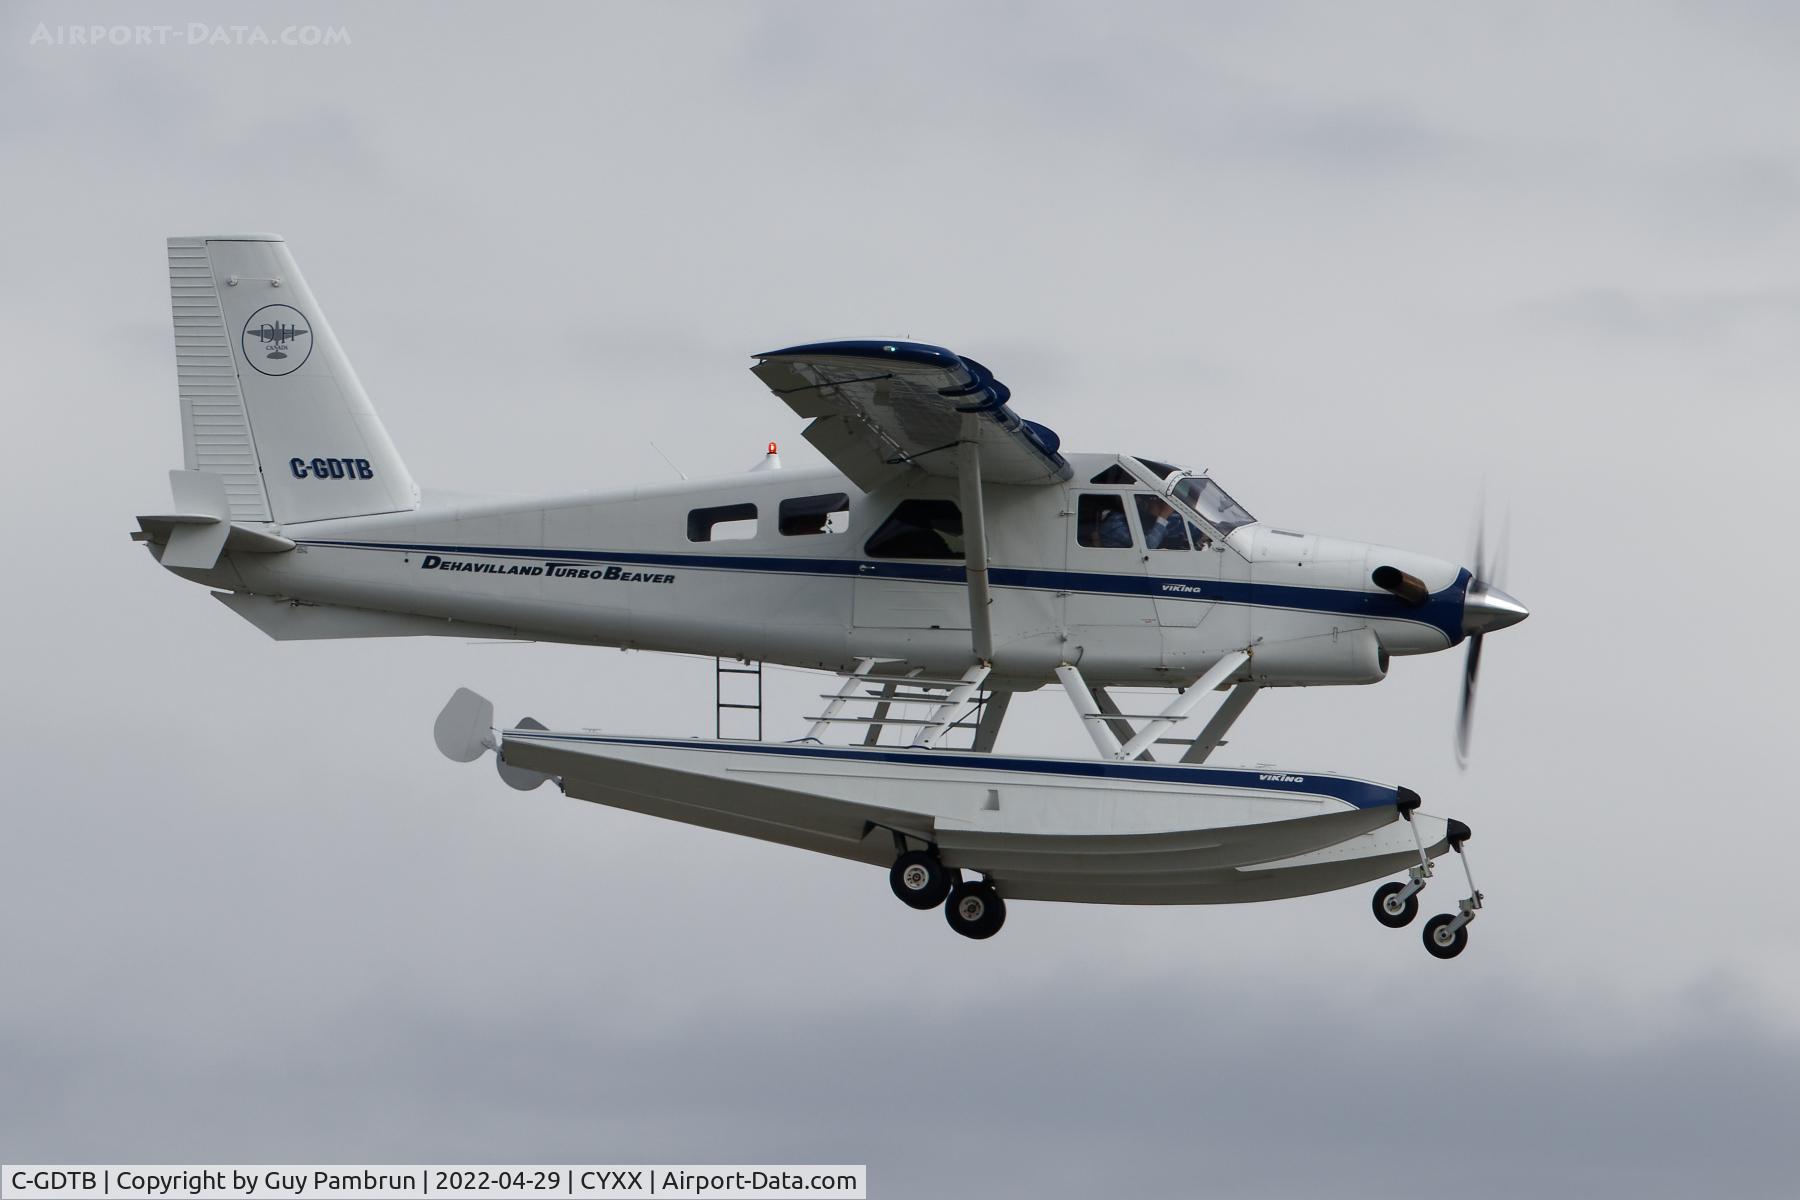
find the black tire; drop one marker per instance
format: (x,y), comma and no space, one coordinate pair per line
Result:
(1395,919)
(975,910)
(1444,947)
(919,879)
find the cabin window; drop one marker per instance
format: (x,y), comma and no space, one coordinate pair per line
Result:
(814,514)
(919,529)
(1100,523)
(1164,528)
(1114,474)
(724,523)
(1161,470)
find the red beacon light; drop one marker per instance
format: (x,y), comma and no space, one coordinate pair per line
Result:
(770,461)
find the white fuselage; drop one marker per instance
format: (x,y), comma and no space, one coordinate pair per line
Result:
(623,568)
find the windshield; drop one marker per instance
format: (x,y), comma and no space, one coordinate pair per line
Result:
(1211,501)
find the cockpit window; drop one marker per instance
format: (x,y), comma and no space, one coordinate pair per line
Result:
(1211,501)
(919,529)
(1164,528)
(1114,474)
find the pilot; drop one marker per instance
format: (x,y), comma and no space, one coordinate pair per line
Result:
(1113,533)
(1163,529)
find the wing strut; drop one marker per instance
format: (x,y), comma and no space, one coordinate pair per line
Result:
(975,555)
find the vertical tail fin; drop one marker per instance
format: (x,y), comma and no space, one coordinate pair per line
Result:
(268,399)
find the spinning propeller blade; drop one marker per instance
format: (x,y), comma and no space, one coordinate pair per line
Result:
(1465,713)
(1485,608)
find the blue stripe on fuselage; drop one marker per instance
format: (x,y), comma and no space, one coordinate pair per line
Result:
(1357,793)
(1443,611)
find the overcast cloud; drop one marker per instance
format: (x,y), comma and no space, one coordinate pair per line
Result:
(1356,259)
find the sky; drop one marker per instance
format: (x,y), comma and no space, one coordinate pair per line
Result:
(1380,267)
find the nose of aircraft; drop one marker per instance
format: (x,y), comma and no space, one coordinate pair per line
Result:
(1487,608)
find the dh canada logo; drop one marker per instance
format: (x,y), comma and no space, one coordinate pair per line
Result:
(277,339)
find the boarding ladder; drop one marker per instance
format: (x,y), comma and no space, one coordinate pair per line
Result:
(734,678)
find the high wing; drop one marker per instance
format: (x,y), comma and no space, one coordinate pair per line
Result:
(879,409)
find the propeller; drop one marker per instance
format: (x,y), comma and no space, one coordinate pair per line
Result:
(1485,609)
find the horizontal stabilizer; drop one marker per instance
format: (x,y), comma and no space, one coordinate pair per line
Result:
(201,528)
(177,519)
(256,541)
(248,539)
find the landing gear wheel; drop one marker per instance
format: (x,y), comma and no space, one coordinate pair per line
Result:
(919,879)
(1441,940)
(1392,911)
(975,910)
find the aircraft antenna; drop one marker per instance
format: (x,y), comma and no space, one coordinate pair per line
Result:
(667,459)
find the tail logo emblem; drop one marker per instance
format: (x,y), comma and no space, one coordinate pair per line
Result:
(277,339)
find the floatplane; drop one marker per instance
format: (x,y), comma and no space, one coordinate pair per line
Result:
(952,556)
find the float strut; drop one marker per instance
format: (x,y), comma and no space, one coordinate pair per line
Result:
(1465,909)
(1415,876)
